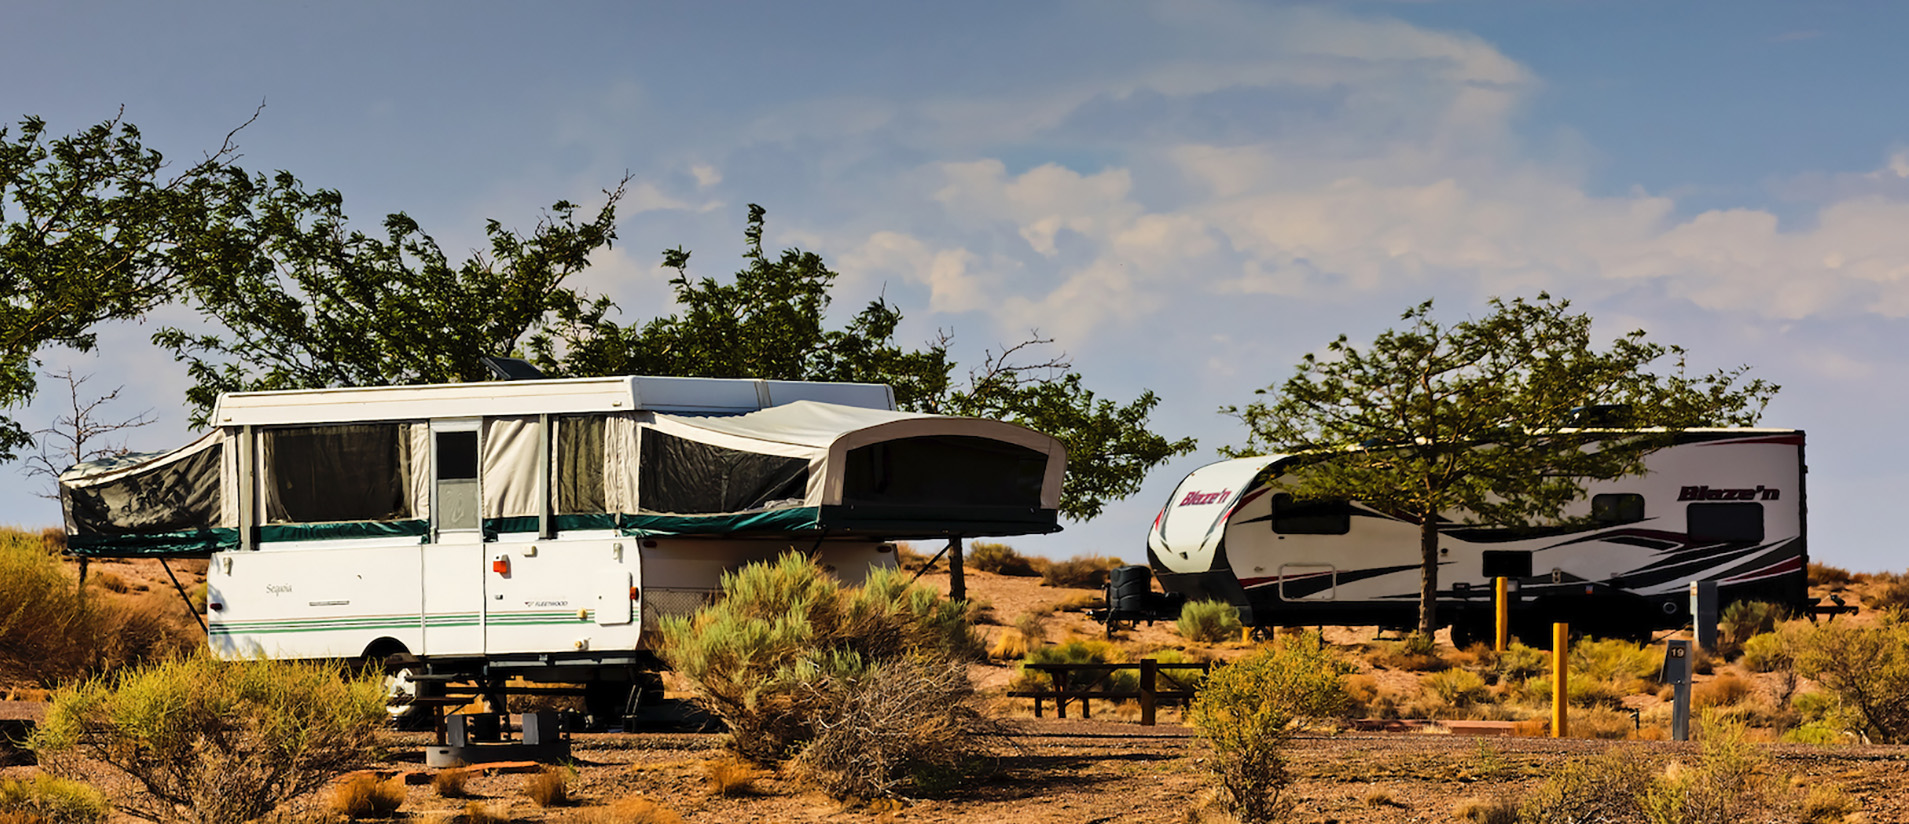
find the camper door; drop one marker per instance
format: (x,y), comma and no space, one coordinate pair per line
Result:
(454,558)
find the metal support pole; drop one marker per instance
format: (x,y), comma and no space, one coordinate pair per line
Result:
(957,579)
(1149,670)
(1500,590)
(1560,679)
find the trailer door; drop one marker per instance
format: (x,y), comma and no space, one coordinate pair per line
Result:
(454,579)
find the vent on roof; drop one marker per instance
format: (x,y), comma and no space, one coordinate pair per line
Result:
(511,369)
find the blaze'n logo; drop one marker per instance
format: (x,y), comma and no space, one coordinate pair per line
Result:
(1705,493)
(1204,498)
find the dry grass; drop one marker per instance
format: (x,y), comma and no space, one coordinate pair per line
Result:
(450,783)
(633,809)
(110,582)
(1486,811)
(1032,626)
(1002,559)
(367,796)
(549,787)
(1080,571)
(1009,646)
(1376,798)
(477,812)
(729,776)
(1824,575)
(1726,690)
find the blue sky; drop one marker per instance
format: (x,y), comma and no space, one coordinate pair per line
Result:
(1187,196)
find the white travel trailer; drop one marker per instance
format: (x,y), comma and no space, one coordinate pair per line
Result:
(1722,505)
(539,528)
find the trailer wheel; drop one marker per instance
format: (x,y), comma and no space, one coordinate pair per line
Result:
(401,689)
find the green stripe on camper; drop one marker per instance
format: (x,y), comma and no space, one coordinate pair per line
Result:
(196,542)
(445,620)
(414,528)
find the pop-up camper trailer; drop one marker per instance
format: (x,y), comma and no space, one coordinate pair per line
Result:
(1722,505)
(539,528)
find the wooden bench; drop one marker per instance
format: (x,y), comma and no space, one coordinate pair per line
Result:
(1085,682)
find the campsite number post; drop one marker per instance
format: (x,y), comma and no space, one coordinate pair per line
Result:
(1676,672)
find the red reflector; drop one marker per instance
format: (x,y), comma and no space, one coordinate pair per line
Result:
(636,593)
(215,606)
(501,566)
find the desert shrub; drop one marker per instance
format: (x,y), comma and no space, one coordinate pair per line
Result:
(1208,622)
(55,634)
(110,582)
(215,741)
(771,657)
(1824,575)
(548,787)
(1826,804)
(1816,733)
(477,812)
(53,540)
(1866,669)
(1000,559)
(1614,660)
(1602,722)
(450,783)
(1247,710)
(367,796)
(1722,691)
(1417,652)
(1890,592)
(1080,571)
(729,776)
(1519,662)
(1032,626)
(1078,651)
(907,557)
(1457,687)
(911,721)
(1722,788)
(1609,788)
(633,809)
(1742,619)
(1009,645)
(52,800)
(1499,810)
(1768,652)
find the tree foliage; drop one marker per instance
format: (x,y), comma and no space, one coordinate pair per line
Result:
(770,322)
(91,230)
(1485,419)
(305,302)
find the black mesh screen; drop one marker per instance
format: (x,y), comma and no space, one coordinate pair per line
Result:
(688,477)
(338,473)
(183,495)
(944,470)
(580,465)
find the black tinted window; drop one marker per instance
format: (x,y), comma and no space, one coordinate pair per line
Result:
(1741,521)
(1292,516)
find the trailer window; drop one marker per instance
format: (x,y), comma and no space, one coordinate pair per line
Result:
(1292,516)
(681,476)
(944,470)
(1617,508)
(321,474)
(1742,521)
(580,465)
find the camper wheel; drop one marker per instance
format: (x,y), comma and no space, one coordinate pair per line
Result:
(401,687)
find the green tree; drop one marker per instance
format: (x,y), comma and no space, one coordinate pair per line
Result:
(1485,419)
(306,302)
(91,230)
(770,322)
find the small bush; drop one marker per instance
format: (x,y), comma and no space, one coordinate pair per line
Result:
(1033,627)
(1824,575)
(907,557)
(1208,622)
(1245,714)
(1418,652)
(477,812)
(634,809)
(1826,804)
(729,777)
(1079,651)
(1726,690)
(1080,571)
(1614,660)
(766,657)
(367,796)
(1499,810)
(1767,652)
(1609,787)
(999,559)
(1602,722)
(110,582)
(52,800)
(1722,788)
(1457,687)
(1009,645)
(1743,619)
(216,741)
(905,722)
(1890,595)
(1866,669)
(1519,662)
(450,783)
(548,787)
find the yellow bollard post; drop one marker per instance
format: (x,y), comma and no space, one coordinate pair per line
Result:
(1560,677)
(1500,590)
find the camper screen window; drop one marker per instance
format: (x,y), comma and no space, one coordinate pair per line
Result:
(1292,516)
(320,474)
(1619,508)
(688,477)
(580,465)
(1741,521)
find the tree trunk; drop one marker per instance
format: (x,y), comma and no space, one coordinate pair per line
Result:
(1428,575)
(957,578)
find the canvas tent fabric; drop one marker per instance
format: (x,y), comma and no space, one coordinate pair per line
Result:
(802,468)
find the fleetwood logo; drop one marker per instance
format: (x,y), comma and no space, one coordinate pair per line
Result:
(1204,498)
(1705,493)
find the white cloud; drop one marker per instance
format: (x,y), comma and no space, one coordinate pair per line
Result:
(706,175)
